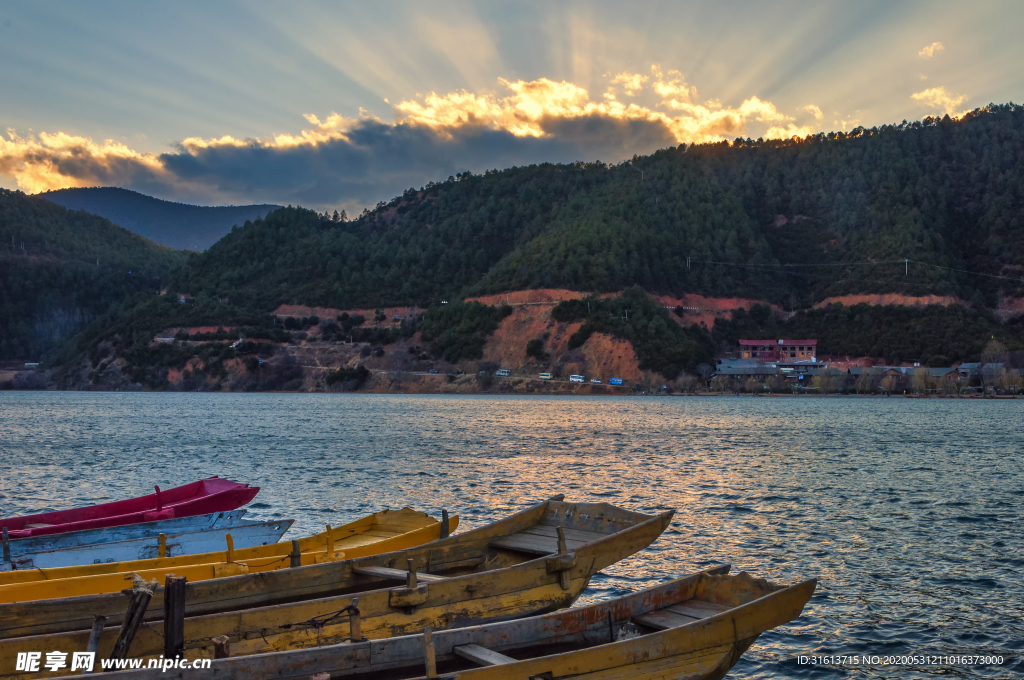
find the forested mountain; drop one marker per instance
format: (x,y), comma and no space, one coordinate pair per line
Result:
(930,207)
(60,269)
(189,227)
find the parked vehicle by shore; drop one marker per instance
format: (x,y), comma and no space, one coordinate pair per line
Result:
(595,381)
(545,376)
(614,381)
(576,378)
(503,373)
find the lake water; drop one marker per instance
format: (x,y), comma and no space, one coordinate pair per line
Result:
(907,511)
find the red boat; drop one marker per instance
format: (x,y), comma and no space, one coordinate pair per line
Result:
(198,498)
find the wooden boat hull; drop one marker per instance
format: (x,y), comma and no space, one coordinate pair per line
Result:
(376,533)
(25,547)
(198,498)
(728,613)
(480,588)
(245,534)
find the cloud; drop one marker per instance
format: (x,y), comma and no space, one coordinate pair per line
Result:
(632,83)
(938,98)
(818,115)
(50,161)
(846,123)
(789,131)
(354,162)
(929,51)
(672,87)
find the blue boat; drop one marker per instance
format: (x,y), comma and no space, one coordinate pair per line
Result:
(24,546)
(244,534)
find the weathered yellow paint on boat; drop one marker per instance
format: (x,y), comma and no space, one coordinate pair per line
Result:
(112,583)
(725,616)
(483,584)
(358,543)
(369,530)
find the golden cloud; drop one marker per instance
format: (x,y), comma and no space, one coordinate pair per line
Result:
(674,86)
(788,132)
(632,83)
(929,51)
(543,110)
(55,161)
(938,98)
(533,103)
(815,110)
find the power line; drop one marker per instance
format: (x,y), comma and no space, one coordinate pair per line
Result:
(965,271)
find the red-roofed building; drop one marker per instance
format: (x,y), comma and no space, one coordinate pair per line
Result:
(769,351)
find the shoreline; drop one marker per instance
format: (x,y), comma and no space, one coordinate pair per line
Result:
(553,393)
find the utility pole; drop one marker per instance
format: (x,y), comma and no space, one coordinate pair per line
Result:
(906,267)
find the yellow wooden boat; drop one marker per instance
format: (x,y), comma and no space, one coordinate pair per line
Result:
(695,628)
(380,532)
(514,567)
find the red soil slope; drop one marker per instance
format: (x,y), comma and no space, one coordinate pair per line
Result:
(709,309)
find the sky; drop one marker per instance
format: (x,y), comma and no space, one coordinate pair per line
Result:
(335,105)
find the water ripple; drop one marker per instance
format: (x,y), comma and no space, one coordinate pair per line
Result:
(908,512)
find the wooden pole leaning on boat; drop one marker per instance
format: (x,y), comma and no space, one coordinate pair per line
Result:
(229,557)
(161,548)
(295,558)
(94,641)
(355,628)
(142,593)
(410,582)
(563,549)
(445,525)
(429,658)
(174,616)
(330,541)
(7,547)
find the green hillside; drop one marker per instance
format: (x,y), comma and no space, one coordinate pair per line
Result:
(189,227)
(791,222)
(60,269)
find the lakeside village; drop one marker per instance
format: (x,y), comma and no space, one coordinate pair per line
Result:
(785,366)
(792,366)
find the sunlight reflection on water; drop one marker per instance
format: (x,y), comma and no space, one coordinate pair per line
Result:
(907,511)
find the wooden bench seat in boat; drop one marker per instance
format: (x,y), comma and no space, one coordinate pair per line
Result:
(398,574)
(542,539)
(482,655)
(680,614)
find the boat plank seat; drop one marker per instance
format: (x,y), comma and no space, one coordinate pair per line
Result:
(543,540)
(679,614)
(397,574)
(570,534)
(697,609)
(482,655)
